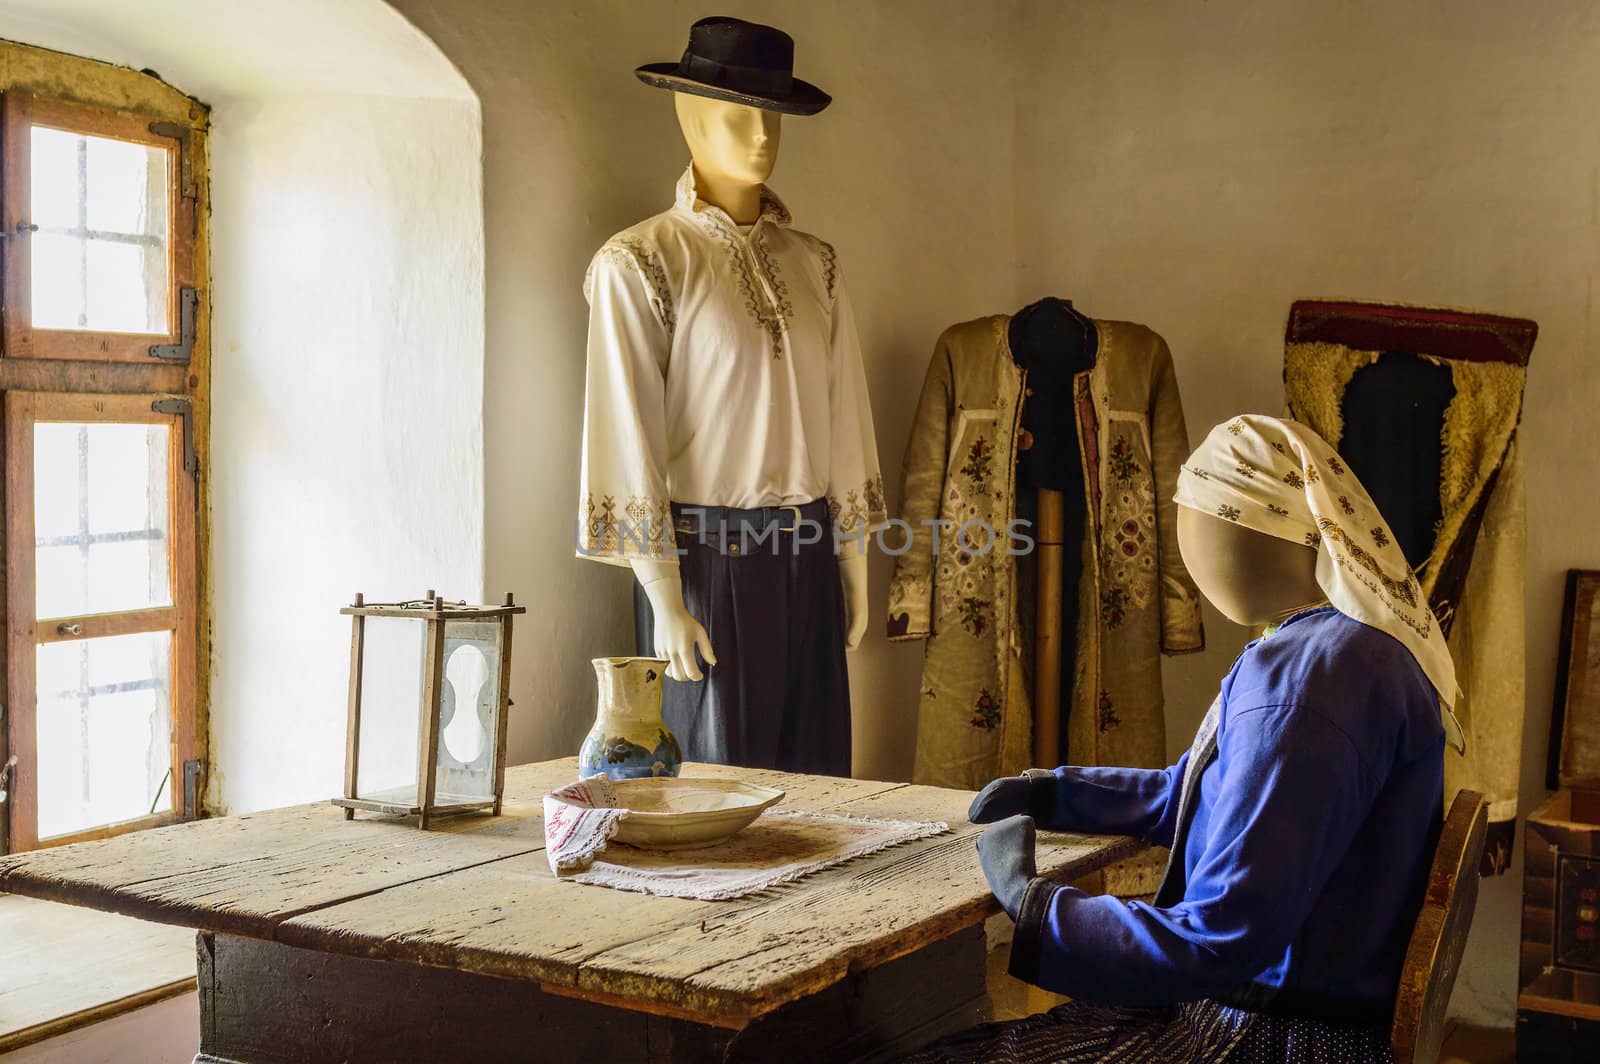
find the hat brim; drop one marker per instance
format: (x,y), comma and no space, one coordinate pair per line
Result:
(803,99)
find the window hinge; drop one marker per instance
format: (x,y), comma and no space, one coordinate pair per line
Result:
(188,308)
(191,789)
(191,461)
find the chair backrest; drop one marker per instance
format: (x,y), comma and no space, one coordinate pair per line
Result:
(1440,936)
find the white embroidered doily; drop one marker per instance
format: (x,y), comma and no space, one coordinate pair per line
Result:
(783,845)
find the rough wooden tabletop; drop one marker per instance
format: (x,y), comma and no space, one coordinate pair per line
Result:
(477,895)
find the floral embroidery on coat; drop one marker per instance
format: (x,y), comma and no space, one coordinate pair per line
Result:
(1121,463)
(1113,607)
(1106,712)
(1128,539)
(976,614)
(986,711)
(976,469)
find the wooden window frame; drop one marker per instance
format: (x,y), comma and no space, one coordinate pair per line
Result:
(105,372)
(26,631)
(21,112)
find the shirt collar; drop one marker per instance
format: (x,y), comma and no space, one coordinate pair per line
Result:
(687,199)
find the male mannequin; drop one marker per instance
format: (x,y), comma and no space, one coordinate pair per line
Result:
(734,147)
(727,432)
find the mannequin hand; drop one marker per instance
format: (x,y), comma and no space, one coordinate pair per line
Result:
(1033,794)
(1006,852)
(678,634)
(853,576)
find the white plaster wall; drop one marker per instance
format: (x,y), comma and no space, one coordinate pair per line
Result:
(347,407)
(909,174)
(1199,166)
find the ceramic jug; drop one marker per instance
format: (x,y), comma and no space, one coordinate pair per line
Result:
(629,739)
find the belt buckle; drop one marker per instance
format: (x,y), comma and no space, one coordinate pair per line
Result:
(798,517)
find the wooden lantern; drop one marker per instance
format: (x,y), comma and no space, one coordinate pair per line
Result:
(429,687)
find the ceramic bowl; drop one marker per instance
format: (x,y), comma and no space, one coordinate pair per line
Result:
(678,813)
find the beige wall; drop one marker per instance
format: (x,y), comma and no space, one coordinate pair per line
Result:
(1198,166)
(909,174)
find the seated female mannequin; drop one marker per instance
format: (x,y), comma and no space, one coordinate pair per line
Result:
(1300,846)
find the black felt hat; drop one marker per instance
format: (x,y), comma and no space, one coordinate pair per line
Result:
(741,62)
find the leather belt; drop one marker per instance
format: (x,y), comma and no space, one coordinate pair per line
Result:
(705,520)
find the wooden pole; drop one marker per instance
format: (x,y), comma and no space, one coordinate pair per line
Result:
(503,702)
(428,741)
(1047,626)
(352,733)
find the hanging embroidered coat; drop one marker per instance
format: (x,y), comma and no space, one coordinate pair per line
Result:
(975,607)
(1474,573)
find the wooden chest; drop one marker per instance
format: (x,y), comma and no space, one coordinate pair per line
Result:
(1558,1006)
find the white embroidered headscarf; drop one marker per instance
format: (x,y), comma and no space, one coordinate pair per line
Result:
(1280,478)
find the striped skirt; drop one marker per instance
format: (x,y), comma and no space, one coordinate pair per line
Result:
(1195,1032)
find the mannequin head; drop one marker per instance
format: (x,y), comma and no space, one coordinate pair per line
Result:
(734,147)
(1251,577)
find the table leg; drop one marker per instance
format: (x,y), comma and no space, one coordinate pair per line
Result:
(266,1003)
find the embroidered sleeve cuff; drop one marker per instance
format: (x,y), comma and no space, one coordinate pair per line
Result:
(909,607)
(899,629)
(1028,939)
(639,530)
(859,509)
(1188,644)
(1181,629)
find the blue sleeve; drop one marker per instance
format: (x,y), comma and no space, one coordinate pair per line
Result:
(1291,796)
(1117,801)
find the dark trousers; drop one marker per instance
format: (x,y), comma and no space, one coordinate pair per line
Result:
(779,695)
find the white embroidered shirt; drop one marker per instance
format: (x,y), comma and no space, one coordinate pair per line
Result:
(724,370)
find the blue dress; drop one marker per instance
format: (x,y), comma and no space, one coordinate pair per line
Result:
(1306,858)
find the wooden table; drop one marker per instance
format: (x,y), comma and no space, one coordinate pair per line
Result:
(327,940)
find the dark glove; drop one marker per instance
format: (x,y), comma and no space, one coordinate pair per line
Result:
(1031,794)
(1006,853)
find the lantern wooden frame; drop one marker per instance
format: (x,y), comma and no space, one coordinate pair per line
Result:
(434,612)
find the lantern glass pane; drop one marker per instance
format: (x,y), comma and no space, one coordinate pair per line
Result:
(469,712)
(392,661)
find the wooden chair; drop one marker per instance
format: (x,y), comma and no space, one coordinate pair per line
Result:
(1440,936)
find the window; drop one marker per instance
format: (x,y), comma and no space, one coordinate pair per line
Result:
(101,483)
(99,234)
